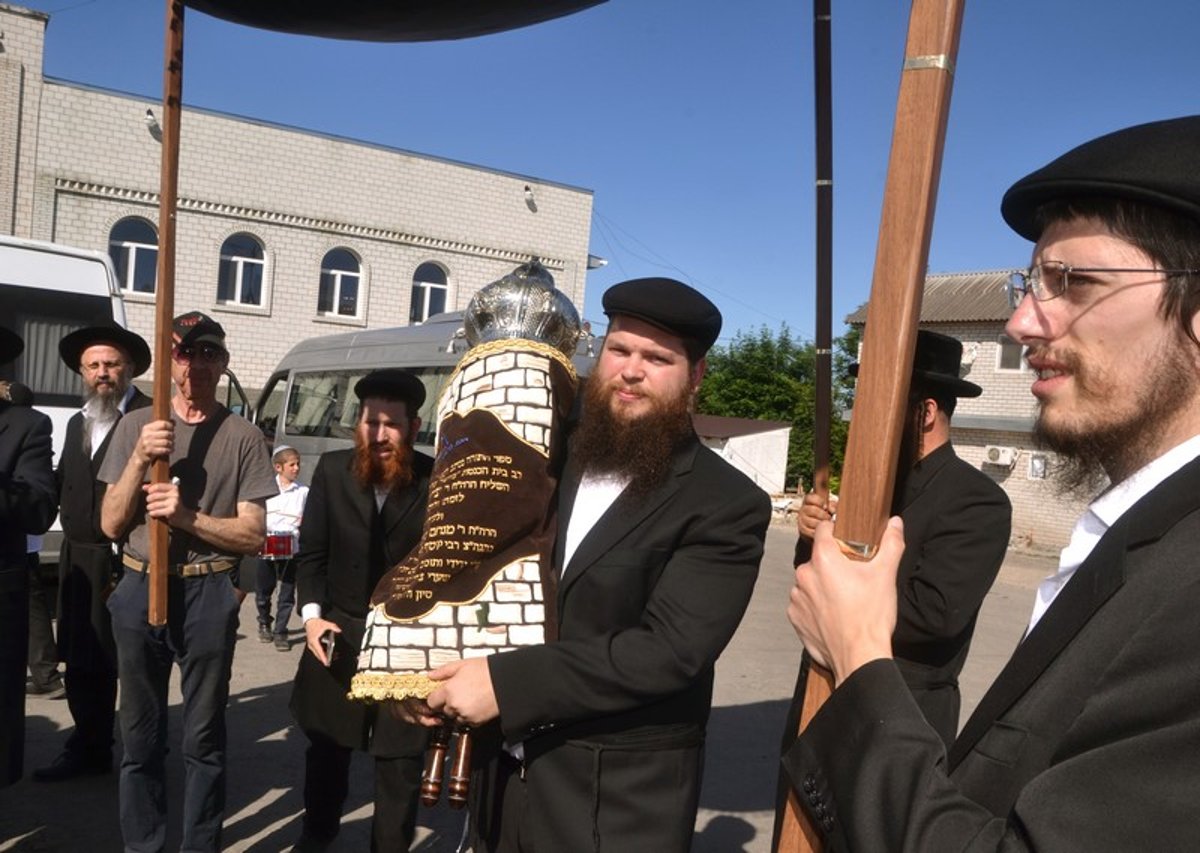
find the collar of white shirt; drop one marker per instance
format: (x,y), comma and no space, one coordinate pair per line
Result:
(1103,513)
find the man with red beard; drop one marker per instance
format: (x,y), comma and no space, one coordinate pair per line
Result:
(365,512)
(658,547)
(1087,739)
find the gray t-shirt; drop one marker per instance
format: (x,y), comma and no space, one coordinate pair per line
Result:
(219,462)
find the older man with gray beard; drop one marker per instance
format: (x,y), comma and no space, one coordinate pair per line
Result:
(106,359)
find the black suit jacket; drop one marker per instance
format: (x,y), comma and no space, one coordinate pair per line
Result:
(1087,740)
(957,522)
(619,703)
(346,546)
(86,560)
(28,497)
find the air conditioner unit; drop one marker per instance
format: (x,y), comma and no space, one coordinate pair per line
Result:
(995,455)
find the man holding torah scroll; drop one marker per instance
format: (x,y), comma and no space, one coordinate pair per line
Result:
(657,551)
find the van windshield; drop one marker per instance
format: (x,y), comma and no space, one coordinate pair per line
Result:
(42,318)
(322,404)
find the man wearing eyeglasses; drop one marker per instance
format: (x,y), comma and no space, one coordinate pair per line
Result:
(107,358)
(221,476)
(1088,738)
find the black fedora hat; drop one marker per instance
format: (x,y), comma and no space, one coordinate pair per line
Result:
(71,347)
(935,366)
(1156,163)
(392,384)
(11,345)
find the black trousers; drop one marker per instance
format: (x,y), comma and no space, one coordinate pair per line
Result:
(43,653)
(327,784)
(92,699)
(14,649)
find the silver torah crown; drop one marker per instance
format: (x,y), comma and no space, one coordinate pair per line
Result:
(524,304)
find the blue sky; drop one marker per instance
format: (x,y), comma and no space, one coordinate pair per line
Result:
(692,120)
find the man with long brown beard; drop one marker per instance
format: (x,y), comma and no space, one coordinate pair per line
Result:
(365,512)
(658,548)
(1087,740)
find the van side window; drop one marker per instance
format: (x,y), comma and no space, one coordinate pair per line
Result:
(318,406)
(270,405)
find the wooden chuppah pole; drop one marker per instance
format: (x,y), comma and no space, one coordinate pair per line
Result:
(823,401)
(164,307)
(893,312)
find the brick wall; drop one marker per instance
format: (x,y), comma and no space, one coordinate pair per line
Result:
(300,193)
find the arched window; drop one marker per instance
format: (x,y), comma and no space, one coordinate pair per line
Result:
(340,277)
(428,293)
(133,247)
(240,279)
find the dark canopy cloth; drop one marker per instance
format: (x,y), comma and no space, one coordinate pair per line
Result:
(390,20)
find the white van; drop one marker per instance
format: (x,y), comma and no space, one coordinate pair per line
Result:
(47,291)
(309,401)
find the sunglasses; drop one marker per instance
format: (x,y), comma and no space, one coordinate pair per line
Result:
(210,353)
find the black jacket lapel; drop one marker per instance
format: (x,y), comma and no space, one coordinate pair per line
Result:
(1096,580)
(622,517)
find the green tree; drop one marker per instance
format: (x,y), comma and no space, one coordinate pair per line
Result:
(771,376)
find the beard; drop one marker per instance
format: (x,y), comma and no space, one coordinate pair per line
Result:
(637,449)
(392,472)
(101,407)
(1110,448)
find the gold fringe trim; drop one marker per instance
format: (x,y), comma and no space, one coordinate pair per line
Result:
(382,686)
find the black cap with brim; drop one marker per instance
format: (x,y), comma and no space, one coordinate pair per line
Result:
(196,327)
(71,347)
(392,384)
(1156,163)
(670,305)
(11,345)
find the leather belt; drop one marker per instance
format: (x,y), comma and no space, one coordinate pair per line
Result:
(186,570)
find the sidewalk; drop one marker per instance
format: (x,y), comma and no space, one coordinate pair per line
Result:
(755,678)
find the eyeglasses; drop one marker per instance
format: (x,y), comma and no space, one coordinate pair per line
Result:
(184,353)
(1050,279)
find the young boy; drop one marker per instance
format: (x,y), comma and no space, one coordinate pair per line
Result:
(283,541)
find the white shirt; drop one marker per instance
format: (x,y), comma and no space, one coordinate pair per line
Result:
(285,510)
(1102,514)
(596,495)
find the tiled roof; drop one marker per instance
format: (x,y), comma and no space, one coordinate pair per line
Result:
(962,297)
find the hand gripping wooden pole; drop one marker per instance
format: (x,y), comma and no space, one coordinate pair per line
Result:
(893,312)
(164,299)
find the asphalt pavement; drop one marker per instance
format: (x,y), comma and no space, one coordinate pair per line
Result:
(755,677)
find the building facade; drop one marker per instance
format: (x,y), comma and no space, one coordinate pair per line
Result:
(282,234)
(994,431)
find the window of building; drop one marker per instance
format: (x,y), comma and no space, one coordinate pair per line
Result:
(240,280)
(428,293)
(341,274)
(133,247)
(1010,355)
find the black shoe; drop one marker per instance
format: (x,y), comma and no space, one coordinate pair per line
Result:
(51,690)
(69,766)
(282,644)
(264,634)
